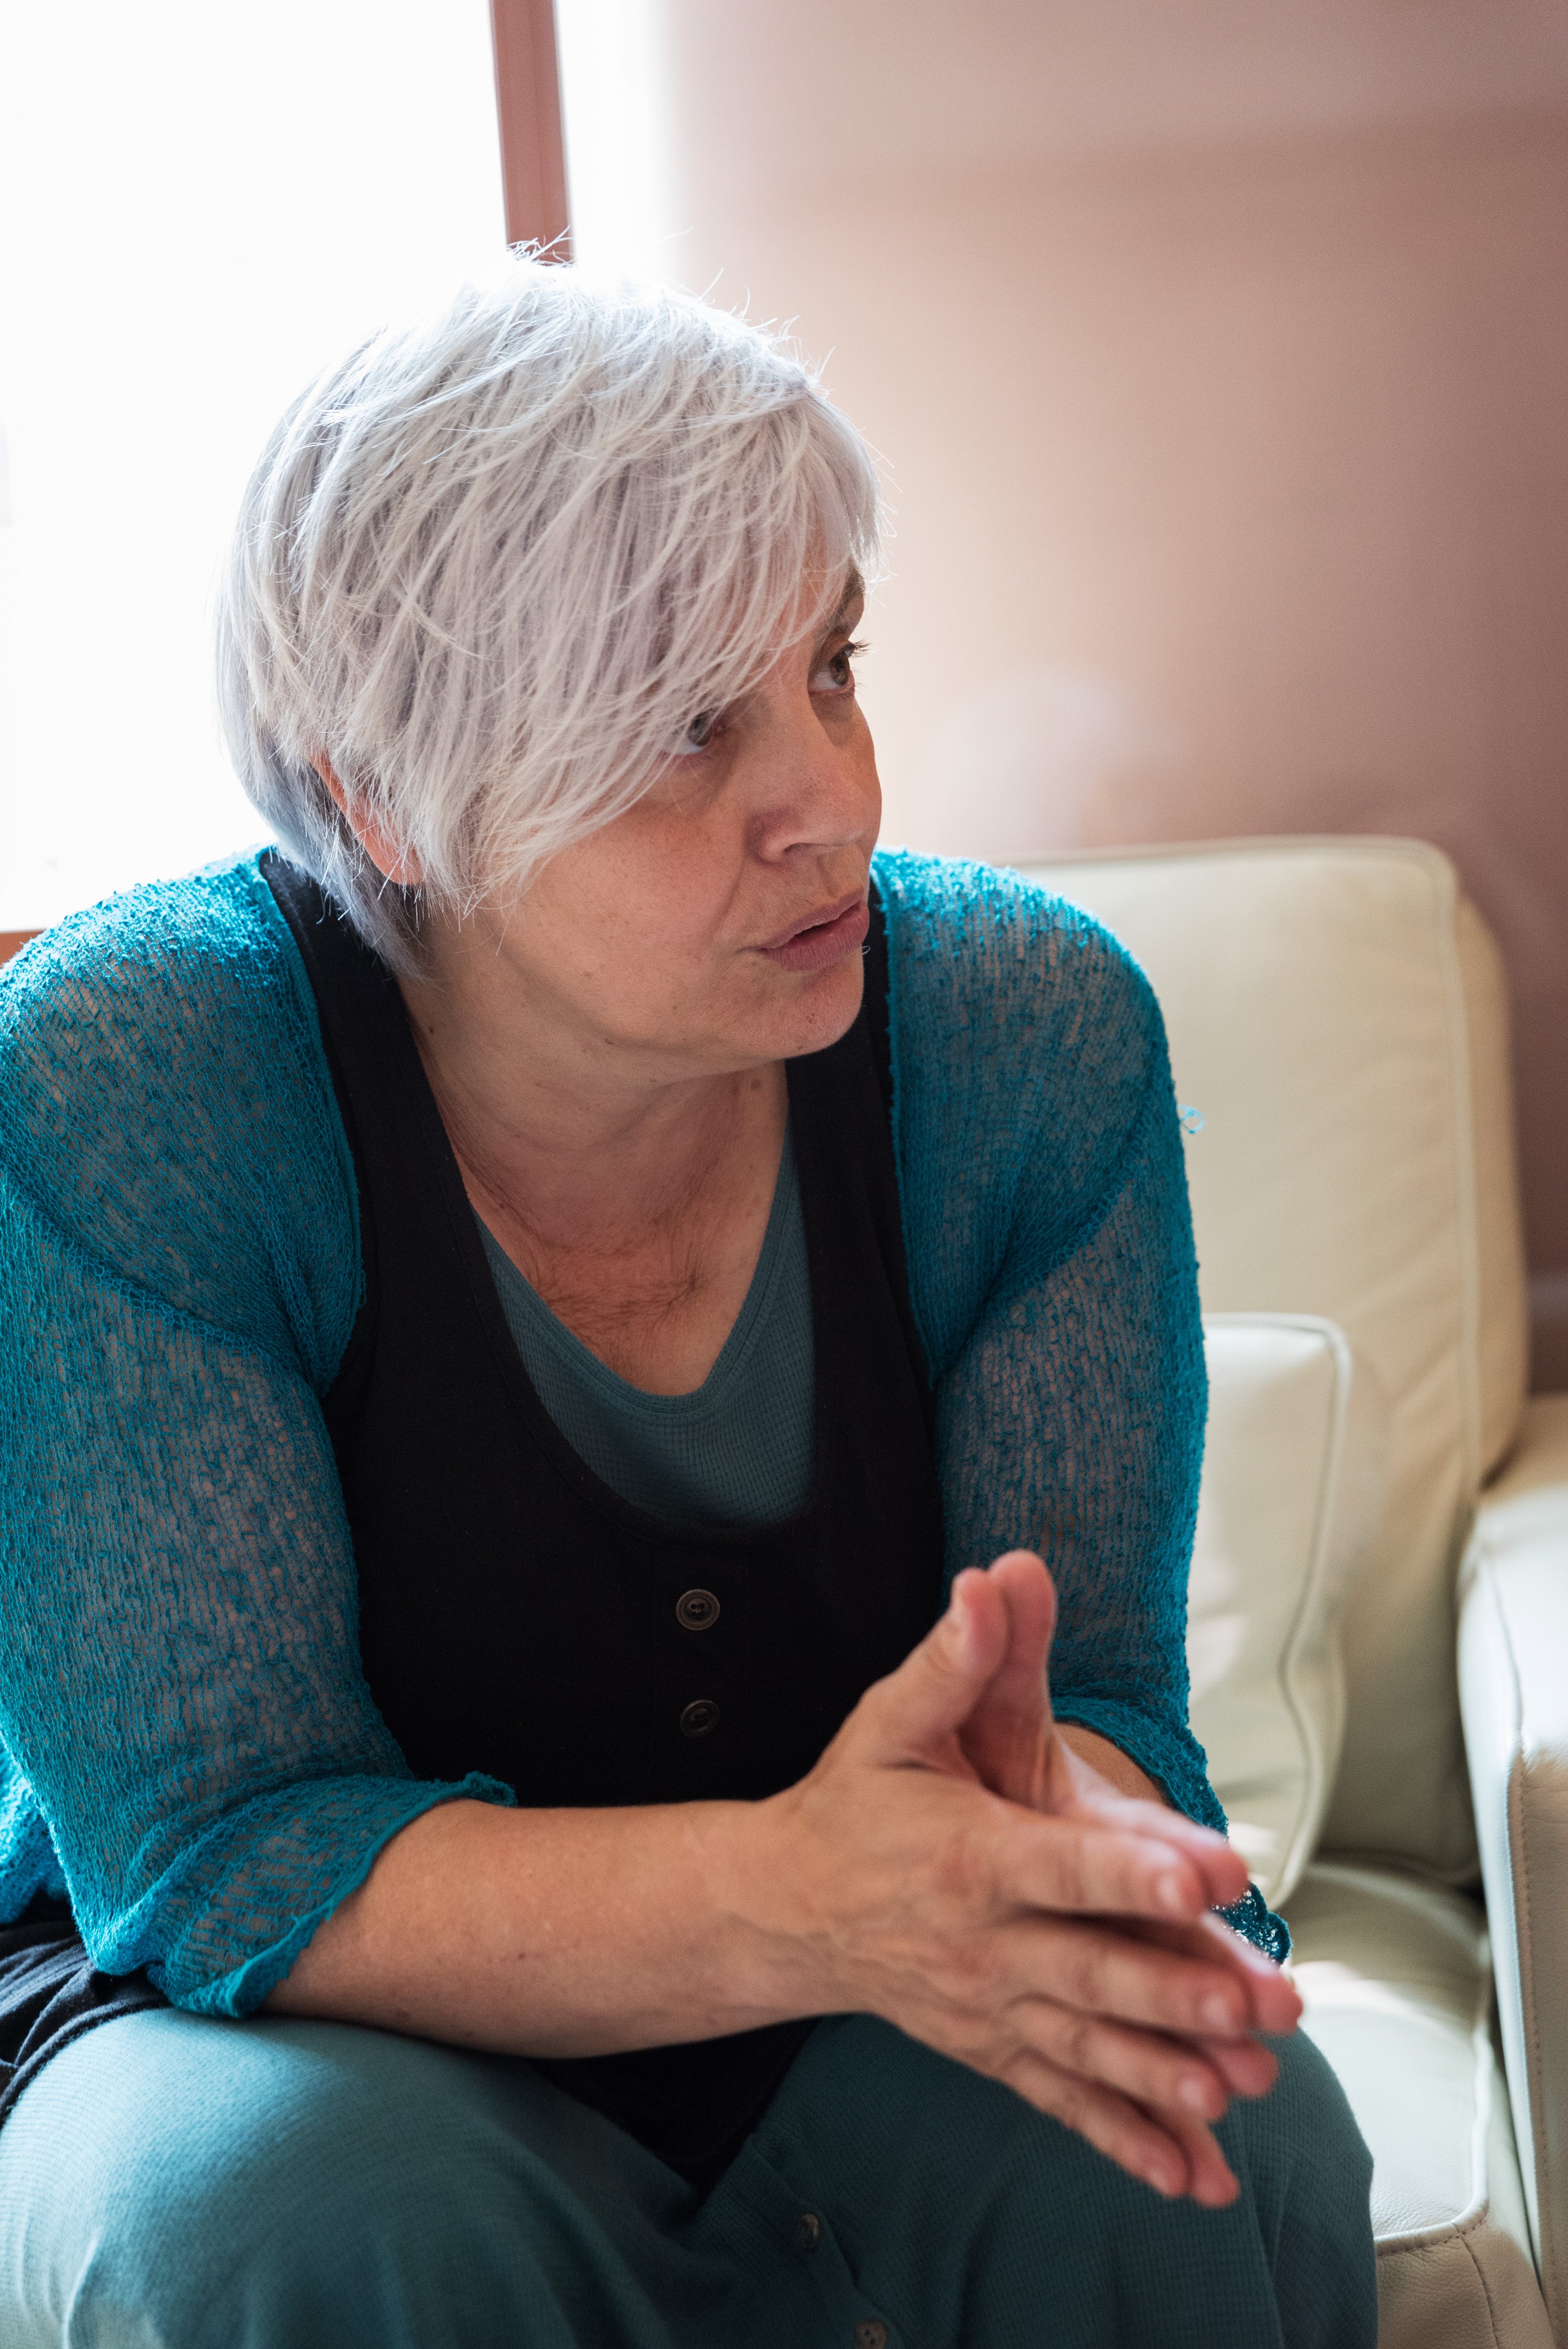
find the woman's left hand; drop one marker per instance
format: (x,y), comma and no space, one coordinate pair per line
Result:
(1018,1748)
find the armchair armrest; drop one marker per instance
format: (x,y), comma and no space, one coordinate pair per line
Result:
(1514,1694)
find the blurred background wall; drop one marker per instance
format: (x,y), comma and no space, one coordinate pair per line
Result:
(1218,354)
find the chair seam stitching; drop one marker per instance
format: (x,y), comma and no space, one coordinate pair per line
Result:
(1485,2290)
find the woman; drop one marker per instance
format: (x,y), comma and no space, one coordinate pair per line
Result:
(520,1307)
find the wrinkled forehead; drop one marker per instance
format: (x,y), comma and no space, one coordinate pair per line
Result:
(829,599)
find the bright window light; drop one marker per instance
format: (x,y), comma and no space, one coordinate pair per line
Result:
(201,206)
(615,114)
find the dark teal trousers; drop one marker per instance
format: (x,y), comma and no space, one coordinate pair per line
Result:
(172,2181)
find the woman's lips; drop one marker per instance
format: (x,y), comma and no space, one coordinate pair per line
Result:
(817,944)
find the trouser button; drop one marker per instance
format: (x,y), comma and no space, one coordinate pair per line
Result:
(872,2334)
(807,2232)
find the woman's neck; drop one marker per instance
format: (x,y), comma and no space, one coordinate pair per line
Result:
(632,1192)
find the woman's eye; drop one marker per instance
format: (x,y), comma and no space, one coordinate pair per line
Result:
(837,675)
(696,736)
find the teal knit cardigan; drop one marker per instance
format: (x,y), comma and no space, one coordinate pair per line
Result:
(187,1742)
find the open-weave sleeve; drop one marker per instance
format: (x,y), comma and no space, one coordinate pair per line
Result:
(1055,1283)
(189,1741)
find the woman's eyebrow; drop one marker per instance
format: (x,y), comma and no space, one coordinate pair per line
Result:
(854,592)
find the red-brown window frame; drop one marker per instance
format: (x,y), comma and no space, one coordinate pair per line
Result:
(533,145)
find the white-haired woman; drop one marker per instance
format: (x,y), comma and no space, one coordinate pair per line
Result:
(527,1820)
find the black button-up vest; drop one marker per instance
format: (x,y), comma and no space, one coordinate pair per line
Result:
(516,1617)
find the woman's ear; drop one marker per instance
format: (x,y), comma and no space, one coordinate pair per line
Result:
(399,865)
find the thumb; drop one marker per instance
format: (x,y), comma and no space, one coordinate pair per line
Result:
(1010,1737)
(919,1709)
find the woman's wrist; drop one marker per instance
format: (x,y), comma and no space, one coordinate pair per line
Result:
(1117,1768)
(760,1876)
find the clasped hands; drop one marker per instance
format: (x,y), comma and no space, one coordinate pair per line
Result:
(954,1867)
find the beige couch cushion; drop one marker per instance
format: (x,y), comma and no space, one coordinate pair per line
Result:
(1335,1014)
(1292,1484)
(1397,1980)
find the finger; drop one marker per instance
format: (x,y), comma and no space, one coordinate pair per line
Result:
(1086,1867)
(1269,1998)
(1103,1970)
(1151,2067)
(1211,2181)
(1030,1597)
(1136,2140)
(1277,2004)
(1223,1869)
(919,1708)
(1008,1736)
(1246,2066)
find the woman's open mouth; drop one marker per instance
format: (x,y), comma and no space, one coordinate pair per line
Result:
(823,937)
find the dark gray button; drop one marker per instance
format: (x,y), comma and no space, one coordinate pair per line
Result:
(807,2232)
(697,1609)
(872,2334)
(700,1715)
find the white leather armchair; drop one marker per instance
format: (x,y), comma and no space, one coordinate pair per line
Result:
(1338,1015)
(1513,1689)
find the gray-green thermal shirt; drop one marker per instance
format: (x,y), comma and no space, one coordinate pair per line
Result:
(738,1450)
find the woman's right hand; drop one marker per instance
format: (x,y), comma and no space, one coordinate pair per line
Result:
(950,1865)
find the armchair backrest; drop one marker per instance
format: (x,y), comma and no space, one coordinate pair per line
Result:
(1337,1016)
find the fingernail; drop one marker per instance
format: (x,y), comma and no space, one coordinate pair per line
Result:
(1218,2013)
(1162,2177)
(1170,1892)
(1193,2091)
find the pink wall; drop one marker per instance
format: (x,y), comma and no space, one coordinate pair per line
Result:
(1230,475)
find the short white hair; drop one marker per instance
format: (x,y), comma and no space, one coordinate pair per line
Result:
(493,567)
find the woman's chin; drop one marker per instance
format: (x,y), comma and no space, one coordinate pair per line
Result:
(823,1005)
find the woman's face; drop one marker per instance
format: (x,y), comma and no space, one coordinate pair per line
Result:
(718,924)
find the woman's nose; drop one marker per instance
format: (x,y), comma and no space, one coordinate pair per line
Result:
(815,783)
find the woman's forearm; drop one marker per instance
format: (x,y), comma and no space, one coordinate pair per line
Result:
(579,1932)
(569,1932)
